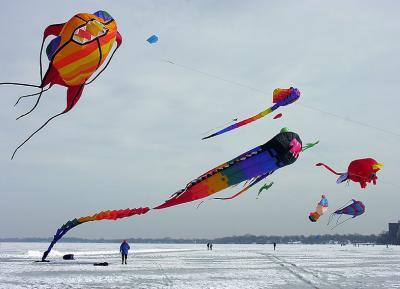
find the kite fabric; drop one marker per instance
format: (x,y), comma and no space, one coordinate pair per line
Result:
(281,97)
(321,208)
(279,115)
(252,166)
(355,209)
(152,39)
(104,215)
(256,164)
(79,48)
(264,187)
(361,171)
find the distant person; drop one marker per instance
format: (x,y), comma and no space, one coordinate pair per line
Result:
(211,246)
(124,248)
(274,246)
(208,246)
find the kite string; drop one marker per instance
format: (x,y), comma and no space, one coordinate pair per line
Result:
(263,92)
(220,126)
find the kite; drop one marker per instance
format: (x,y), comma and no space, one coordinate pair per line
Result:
(252,166)
(79,48)
(152,39)
(321,208)
(104,215)
(265,187)
(279,115)
(281,97)
(361,171)
(355,209)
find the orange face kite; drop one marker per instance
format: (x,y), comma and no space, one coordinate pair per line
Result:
(80,48)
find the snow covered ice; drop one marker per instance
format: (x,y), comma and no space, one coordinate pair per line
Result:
(192,266)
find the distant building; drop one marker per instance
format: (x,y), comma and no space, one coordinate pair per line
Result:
(394,233)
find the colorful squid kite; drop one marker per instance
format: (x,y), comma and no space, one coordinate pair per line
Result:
(79,48)
(281,97)
(354,209)
(253,166)
(361,171)
(321,208)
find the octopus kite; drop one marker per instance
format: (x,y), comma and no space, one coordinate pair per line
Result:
(361,171)
(79,48)
(252,166)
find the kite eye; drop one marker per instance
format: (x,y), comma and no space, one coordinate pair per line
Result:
(52,47)
(103,15)
(90,31)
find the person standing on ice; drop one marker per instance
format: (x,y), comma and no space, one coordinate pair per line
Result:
(274,246)
(124,248)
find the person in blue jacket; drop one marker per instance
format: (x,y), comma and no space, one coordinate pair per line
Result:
(124,248)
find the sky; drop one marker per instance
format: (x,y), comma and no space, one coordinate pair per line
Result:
(134,138)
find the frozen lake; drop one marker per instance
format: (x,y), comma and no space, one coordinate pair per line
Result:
(192,266)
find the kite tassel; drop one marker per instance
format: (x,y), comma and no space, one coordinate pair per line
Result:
(328,168)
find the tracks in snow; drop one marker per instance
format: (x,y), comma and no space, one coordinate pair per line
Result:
(308,277)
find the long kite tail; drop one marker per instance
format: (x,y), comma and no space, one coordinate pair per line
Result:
(242,123)
(71,100)
(328,168)
(103,215)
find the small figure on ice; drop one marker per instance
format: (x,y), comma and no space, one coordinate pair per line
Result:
(124,249)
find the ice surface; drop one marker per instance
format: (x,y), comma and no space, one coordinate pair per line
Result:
(192,266)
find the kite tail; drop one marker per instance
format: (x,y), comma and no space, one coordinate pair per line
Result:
(33,94)
(36,131)
(71,101)
(103,215)
(20,84)
(242,123)
(328,168)
(33,108)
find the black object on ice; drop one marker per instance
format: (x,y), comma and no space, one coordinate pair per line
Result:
(101,264)
(68,257)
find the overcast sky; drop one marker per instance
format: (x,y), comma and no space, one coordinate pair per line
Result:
(134,137)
